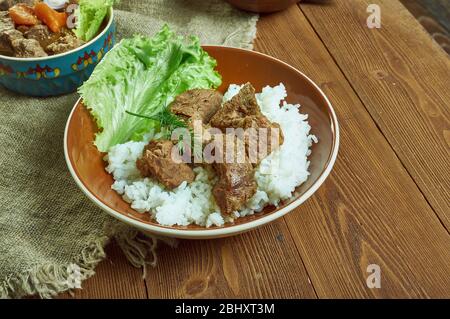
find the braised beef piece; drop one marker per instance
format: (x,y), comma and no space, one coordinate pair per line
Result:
(20,46)
(4,5)
(27,48)
(6,26)
(236,184)
(6,22)
(7,37)
(242,111)
(196,107)
(5,48)
(23,28)
(42,34)
(39,32)
(157,162)
(65,42)
(197,104)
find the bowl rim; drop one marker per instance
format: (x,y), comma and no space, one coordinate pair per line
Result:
(232,229)
(51,57)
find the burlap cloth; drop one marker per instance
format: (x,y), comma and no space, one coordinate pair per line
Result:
(51,236)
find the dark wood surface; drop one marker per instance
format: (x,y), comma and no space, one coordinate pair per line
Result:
(385,203)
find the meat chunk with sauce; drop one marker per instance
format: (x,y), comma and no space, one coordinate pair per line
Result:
(6,39)
(5,4)
(236,184)
(27,48)
(157,162)
(243,111)
(42,34)
(11,35)
(197,104)
(6,29)
(6,23)
(23,28)
(65,42)
(21,47)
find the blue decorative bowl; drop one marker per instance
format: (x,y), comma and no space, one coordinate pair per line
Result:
(57,74)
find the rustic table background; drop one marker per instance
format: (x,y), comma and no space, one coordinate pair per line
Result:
(385,203)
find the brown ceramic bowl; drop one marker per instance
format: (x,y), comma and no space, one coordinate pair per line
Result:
(236,66)
(262,6)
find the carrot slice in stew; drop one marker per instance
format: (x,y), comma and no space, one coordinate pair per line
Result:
(22,14)
(53,19)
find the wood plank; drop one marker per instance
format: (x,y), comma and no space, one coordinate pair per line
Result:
(340,223)
(369,211)
(115,278)
(402,76)
(261,264)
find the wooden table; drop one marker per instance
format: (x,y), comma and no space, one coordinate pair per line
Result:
(386,201)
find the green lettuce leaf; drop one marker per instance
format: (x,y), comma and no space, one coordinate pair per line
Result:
(143,75)
(90,15)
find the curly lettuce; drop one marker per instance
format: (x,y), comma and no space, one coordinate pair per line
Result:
(143,75)
(90,15)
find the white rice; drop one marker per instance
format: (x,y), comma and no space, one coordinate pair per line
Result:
(277,175)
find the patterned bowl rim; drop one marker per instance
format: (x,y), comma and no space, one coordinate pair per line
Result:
(230,229)
(51,57)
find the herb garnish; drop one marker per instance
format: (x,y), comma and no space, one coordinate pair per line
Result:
(168,123)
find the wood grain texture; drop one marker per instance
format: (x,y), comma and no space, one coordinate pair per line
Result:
(402,76)
(115,278)
(260,264)
(262,6)
(369,211)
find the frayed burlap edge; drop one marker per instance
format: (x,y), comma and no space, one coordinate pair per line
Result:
(49,279)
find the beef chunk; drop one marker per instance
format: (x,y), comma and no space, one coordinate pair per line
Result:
(6,39)
(23,28)
(197,104)
(38,32)
(196,107)
(236,184)
(11,35)
(243,111)
(6,30)
(157,162)
(66,42)
(6,22)
(42,34)
(5,47)
(4,5)
(27,48)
